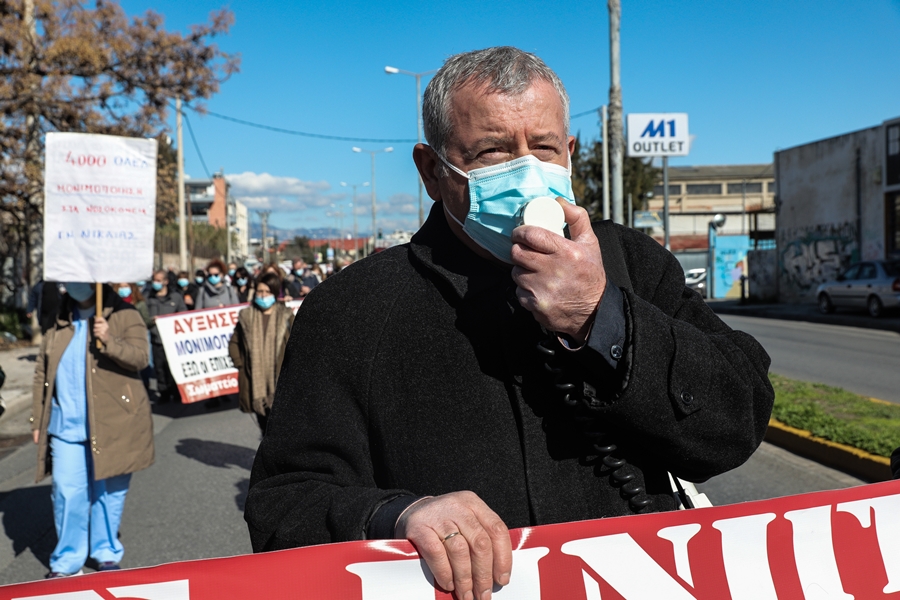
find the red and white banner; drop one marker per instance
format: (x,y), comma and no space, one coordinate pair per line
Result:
(841,544)
(196,345)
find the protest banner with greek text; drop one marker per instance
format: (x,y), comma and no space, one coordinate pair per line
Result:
(196,346)
(99,207)
(840,544)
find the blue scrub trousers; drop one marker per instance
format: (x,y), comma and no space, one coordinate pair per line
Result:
(87,513)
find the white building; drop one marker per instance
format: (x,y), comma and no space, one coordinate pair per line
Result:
(838,202)
(240,230)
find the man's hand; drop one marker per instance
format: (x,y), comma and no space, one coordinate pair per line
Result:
(560,281)
(101,329)
(468,563)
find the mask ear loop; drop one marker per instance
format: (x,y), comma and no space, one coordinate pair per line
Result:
(446,162)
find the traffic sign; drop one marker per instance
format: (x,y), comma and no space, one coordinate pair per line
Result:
(658,134)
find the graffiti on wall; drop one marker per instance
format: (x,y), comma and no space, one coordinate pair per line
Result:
(811,255)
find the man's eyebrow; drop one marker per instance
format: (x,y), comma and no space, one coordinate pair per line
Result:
(545,137)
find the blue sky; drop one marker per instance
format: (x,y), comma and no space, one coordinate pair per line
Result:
(754,77)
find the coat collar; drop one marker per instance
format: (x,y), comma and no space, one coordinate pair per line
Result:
(437,248)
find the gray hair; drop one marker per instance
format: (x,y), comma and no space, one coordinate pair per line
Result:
(504,69)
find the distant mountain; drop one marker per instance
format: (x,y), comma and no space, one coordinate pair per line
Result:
(289,234)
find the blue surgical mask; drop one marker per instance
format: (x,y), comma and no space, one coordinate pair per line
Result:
(498,195)
(157,286)
(299,272)
(141,283)
(199,280)
(79,291)
(214,279)
(231,272)
(183,282)
(124,292)
(242,281)
(264,302)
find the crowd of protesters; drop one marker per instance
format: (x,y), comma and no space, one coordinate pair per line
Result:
(91,415)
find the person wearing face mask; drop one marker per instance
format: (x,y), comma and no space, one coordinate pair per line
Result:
(162,301)
(92,424)
(242,285)
(215,293)
(187,288)
(257,348)
(513,365)
(133,293)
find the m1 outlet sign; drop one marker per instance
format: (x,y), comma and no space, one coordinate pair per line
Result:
(658,134)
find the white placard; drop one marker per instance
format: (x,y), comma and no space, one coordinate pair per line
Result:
(196,345)
(99,207)
(658,134)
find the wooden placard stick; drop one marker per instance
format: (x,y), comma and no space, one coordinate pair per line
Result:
(99,296)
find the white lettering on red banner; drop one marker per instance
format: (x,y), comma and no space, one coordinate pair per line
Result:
(839,544)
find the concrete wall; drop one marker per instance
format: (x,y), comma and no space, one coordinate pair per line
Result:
(762,275)
(816,230)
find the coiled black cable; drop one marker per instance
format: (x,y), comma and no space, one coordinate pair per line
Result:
(621,473)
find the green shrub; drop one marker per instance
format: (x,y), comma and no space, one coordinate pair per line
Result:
(9,321)
(837,415)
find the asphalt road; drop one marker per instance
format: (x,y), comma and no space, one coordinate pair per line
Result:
(864,361)
(188,505)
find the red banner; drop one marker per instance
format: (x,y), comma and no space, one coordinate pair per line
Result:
(841,544)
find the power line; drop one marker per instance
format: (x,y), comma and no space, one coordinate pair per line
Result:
(587,112)
(307,134)
(333,137)
(196,145)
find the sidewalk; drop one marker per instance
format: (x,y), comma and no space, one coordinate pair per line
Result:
(806,312)
(18,363)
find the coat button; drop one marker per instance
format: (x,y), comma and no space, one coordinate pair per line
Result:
(616,351)
(687,397)
(46,384)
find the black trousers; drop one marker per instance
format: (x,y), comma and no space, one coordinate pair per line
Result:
(164,382)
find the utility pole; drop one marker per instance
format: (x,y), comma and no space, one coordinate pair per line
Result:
(616,126)
(33,230)
(373,153)
(229,251)
(264,219)
(182,226)
(743,205)
(604,119)
(353,210)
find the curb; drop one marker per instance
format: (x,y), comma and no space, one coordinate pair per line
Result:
(831,454)
(802,312)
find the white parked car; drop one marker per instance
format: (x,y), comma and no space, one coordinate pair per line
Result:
(873,285)
(696,279)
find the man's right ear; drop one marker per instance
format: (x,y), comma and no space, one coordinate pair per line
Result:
(428,164)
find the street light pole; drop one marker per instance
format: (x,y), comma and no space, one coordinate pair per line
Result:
(353,206)
(373,153)
(418,76)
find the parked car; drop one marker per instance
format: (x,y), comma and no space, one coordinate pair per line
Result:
(696,280)
(873,285)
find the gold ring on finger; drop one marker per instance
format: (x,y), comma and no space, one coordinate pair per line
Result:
(455,533)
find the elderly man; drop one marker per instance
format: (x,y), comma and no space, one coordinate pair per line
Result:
(490,375)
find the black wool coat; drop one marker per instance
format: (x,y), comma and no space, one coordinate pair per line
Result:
(415,372)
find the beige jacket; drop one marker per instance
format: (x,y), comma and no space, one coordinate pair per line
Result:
(239,350)
(119,420)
